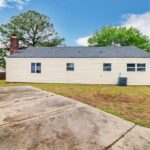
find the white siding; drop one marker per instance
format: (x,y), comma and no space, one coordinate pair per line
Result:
(87,70)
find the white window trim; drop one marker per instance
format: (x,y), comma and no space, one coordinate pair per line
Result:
(35,69)
(67,67)
(136,67)
(110,67)
(141,67)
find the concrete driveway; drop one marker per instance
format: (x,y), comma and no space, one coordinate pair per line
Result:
(32,119)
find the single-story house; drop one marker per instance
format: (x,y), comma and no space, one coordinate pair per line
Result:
(83,65)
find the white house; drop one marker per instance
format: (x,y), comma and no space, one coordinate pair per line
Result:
(84,65)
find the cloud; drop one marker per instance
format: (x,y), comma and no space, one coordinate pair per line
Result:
(13,3)
(139,21)
(83,41)
(2,3)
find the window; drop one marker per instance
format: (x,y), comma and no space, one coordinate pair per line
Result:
(35,67)
(141,67)
(70,67)
(38,67)
(32,67)
(130,67)
(136,67)
(107,67)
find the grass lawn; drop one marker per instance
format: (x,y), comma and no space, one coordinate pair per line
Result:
(131,103)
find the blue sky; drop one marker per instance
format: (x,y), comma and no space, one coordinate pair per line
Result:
(75,20)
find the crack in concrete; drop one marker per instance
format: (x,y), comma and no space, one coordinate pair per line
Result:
(7,92)
(44,114)
(109,146)
(17,101)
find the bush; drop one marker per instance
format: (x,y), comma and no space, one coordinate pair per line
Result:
(3,54)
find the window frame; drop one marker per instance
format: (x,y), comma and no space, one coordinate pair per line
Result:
(106,68)
(33,66)
(70,68)
(139,67)
(134,68)
(36,67)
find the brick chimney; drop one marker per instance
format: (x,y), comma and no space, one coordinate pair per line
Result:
(14,44)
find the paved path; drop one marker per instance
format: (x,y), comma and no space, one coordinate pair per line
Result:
(32,119)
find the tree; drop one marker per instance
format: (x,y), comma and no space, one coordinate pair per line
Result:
(32,28)
(110,35)
(3,54)
(52,43)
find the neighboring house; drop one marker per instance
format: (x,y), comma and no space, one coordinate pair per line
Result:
(84,65)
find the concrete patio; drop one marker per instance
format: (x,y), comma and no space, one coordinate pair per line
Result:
(32,119)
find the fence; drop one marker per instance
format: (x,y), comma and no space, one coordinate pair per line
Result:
(2,75)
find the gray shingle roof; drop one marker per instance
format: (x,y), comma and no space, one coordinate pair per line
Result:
(82,52)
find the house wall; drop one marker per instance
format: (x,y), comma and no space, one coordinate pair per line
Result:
(87,70)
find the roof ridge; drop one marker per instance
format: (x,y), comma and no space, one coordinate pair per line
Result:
(82,52)
(81,46)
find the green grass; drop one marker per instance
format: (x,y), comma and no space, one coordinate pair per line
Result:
(131,103)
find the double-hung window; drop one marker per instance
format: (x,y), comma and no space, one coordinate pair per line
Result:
(131,67)
(70,66)
(107,67)
(141,67)
(35,67)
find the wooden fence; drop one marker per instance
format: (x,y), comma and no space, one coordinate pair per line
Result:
(2,75)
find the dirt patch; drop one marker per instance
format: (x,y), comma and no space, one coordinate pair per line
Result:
(130,107)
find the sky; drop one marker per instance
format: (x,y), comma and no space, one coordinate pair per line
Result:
(77,20)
